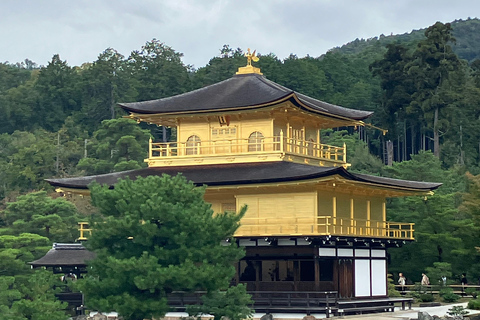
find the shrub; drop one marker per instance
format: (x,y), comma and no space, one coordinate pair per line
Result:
(450,297)
(426,297)
(457,312)
(444,291)
(474,304)
(472,292)
(392,292)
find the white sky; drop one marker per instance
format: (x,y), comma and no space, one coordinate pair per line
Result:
(79,30)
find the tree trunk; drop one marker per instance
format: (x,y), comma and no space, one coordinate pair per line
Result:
(412,133)
(112,103)
(436,137)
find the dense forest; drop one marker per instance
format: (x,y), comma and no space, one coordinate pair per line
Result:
(424,87)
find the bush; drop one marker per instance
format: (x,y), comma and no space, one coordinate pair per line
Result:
(445,291)
(472,292)
(392,292)
(426,297)
(474,304)
(457,312)
(450,297)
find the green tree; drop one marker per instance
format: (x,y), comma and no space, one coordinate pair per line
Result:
(25,293)
(104,83)
(58,96)
(397,88)
(17,98)
(441,233)
(219,68)
(119,144)
(158,71)
(232,304)
(432,70)
(439,270)
(305,76)
(37,213)
(158,236)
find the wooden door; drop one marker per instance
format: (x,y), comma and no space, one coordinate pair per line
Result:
(345,278)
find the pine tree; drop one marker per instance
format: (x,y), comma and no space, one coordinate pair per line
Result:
(158,236)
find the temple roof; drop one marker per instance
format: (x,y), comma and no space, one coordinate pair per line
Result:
(243,174)
(240,92)
(65,254)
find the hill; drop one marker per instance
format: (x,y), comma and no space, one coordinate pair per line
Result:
(466,32)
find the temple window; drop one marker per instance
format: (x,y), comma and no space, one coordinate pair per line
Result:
(255,141)
(224,133)
(193,145)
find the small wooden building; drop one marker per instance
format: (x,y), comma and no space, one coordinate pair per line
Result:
(311,225)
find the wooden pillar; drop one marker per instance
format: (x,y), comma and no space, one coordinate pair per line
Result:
(258,268)
(296,274)
(334,214)
(384,218)
(317,274)
(353,228)
(369,217)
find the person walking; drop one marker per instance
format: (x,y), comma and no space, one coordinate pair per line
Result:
(425,281)
(401,281)
(464,283)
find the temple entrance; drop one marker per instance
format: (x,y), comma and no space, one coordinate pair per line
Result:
(287,275)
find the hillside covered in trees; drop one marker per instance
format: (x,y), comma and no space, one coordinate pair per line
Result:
(424,87)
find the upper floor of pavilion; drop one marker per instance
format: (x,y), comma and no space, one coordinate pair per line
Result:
(246,118)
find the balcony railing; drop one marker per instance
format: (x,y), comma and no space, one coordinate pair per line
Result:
(257,146)
(324,225)
(306,226)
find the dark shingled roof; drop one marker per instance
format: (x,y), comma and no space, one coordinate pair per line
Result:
(239,92)
(65,254)
(244,173)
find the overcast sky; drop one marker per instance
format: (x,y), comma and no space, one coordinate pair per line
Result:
(79,30)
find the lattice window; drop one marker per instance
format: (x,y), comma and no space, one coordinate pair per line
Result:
(224,133)
(255,141)
(193,145)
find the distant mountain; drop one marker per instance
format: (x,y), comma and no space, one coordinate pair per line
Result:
(466,32)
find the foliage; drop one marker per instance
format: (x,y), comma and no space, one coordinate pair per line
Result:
(450,297)
(39,214)
(232,304)
(158,71)
(445,290)
(427,297)
(119,144)
(457,311)
(158,235)
(474,304)
(472,292)
(104,83)
(392,291)
(38,299)
(24,293)
(439,270)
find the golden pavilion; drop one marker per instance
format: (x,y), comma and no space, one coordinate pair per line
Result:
(311,225)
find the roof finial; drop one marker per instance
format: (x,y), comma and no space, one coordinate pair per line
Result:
(251,56)
(249,68)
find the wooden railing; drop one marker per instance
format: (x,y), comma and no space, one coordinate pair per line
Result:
(83,229)
(276,144)
(305,226)
(324,225)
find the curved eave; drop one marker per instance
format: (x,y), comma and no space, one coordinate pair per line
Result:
(239,93)
(293,98)
(228,175)
(61,258)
